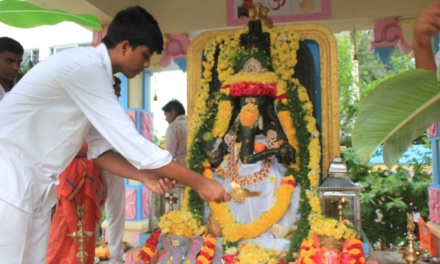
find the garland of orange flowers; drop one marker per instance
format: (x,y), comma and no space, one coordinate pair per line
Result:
(207,252)
(149,248)
(356,252)
(233,231)
(309,252)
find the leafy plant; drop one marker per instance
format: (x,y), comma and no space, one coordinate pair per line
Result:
(387,197)
(397,111)
(23,14)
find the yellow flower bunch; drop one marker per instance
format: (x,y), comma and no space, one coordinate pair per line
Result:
(203,95)
(180,223)
(225,63)
(251,253)
(283,48)
(222,119)
(327,226)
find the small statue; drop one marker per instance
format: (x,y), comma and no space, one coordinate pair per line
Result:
(180,249)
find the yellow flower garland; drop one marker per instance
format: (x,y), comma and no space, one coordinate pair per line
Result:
(233,231)
(222,120)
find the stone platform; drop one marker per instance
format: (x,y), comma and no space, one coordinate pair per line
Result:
(392,257)
(384,257)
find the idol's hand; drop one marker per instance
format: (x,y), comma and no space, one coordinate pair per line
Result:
(286,154)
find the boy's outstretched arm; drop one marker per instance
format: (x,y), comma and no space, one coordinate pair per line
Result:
(161,180)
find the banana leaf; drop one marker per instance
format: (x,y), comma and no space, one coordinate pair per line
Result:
(397,111)
(22,14)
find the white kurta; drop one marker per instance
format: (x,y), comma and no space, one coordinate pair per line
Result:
(45,118)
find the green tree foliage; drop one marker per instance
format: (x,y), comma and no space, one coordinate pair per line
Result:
(386,196)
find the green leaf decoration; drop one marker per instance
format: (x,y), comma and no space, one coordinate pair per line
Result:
(397,111)
(23,14)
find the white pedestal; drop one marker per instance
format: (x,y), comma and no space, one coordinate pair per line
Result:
(132,230)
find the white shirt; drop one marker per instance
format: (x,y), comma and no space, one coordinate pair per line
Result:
(45,118)
(175,139)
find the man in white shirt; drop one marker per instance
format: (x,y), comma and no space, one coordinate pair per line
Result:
(11,54)
(175,136)
(63,100)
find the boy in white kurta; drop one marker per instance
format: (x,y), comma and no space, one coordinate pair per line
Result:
(63,100)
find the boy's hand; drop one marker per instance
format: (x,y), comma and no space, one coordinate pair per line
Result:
(158,185)
(210,190)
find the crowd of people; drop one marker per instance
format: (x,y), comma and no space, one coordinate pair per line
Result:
(72,98)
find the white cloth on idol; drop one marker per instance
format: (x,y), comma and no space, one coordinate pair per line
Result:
(252,208)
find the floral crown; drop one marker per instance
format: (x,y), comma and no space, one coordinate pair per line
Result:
(254,64)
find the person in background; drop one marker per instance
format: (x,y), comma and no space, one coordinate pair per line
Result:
(11,55)
(176,134)
(425,27)
(62,101)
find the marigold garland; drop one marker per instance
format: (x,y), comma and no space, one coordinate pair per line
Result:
(251,253)
(207,252)
(223,118)
(233,231)
(149,248)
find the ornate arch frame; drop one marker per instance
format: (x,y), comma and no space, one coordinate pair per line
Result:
(328,80)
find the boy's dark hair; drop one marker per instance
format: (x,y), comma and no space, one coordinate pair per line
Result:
(11,45)
(137,26)
(174,105)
